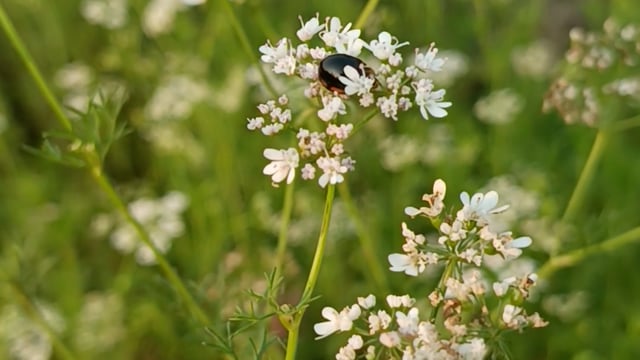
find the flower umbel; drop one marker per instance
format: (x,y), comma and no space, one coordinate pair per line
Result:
(467,311)
(370,71)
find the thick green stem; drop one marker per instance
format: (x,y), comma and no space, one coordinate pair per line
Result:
(586,176)
(28,62)
(367,246)
(292,341)
(573,257)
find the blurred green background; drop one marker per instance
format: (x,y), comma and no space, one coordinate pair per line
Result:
(192,86)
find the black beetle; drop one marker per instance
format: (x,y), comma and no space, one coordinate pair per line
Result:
(332,67)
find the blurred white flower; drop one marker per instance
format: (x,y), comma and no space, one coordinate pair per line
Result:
(161,218)
(175,98)
(499,107)
(100,323)
(534,60)
(111,14)
(24,338)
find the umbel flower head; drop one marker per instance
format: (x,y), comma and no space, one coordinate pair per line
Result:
(338,66)
(468,313)
(601,74)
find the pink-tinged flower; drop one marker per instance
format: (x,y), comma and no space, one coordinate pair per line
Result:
(283,164)
(435,201)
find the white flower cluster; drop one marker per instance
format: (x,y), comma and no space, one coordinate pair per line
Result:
(465,238)
(379,80)
(23,338)
(466,311)
(601,66)
(397,332)
(160,217)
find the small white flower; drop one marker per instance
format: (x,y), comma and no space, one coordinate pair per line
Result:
(309,29)
(255,123)
(396,301)
(408,323)
(474,349)
(355,82)
(378,321)
(435,201)
(500,288)
(479,207)
(390,339)
(428,61)
(308,172)
(333,106)
(411,264)
(385,46)
(333,171)
(430,102)
(336,321)
(356,342)
(512,316)
(283,164)
(368,302)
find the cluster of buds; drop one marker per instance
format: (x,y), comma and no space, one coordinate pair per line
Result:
(337,65)
(470,309)
(599,65)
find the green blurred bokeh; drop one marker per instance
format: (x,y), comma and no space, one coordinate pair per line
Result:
(52,251)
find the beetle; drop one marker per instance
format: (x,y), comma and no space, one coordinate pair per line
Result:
(332,67)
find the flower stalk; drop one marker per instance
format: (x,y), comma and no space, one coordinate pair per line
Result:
(586,176)
(294,327)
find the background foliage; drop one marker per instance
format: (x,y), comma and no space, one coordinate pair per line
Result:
(53,253)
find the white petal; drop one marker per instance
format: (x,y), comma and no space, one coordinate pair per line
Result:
(411,211)
(464,198)
(440,187)
(490,200)
(271,169)
(436,111)
(324,329)
(329,313)
(351,72)
(280,175)
(521,242)
(272,154)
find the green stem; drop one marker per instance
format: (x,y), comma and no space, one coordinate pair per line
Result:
(246,45)
(362,122)
(366,243)
(573,257)
(626,124)
(62,351)
(170,274)
(586,176)
(96,171)
(322,241)
(28,62)
(366,12)
(446,274)
(284,227)
(294,330)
